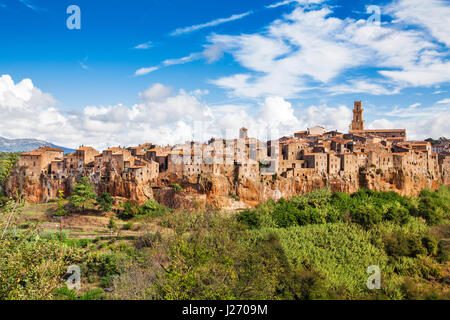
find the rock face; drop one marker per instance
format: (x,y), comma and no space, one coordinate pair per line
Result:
(228,193)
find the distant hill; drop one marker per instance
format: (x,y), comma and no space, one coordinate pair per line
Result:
(16,145)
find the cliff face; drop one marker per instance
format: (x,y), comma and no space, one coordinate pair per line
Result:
(229,193)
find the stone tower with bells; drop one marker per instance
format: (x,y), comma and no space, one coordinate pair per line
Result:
(358,120)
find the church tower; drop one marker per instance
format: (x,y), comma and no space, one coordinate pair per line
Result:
(358,120)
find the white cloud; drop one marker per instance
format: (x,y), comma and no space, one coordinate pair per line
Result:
(29,5)
(84,66)
(144,71)
(144,46)
(157,92)
(418,128)
(420,123)
(444,101)
(309,49)
(363,86)
(421,75)
(164,116)
(286,2)
(183,60)
(210,24)
(331,118)
(431,14)
(415,105)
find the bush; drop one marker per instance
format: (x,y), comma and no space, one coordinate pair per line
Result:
(366,215)
(403,244)
(3,201)
(286,214)
(147,240)
(340,252)
(101,264)
(250,218)
(176,187)
(130,210)
(153,209)
(127,226)
(112,224)
(431,244)
(105,202)
(33,266)
(429,210)
(397,213)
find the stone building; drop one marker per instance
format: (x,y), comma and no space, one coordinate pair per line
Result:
(358,120)
(349,162)
(317,161)
(357,126)
(38,162)
(333,164)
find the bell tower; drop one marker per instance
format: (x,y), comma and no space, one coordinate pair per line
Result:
(358,120)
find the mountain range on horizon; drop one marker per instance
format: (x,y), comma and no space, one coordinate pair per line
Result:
(25,145)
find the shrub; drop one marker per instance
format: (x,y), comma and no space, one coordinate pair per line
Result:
(311,216)
(366,215)
(403,244)
(127,226)
(130,210)
(93,294)
(153,209)
(105,202)
(112,224)
(340,252)
(147,240)
(443,254)
(249,218)
(176,187)
(33,266)
(342,201)
(3,201)
(397,213)
(431,244)
(100,263)
(430,210)
(285,214)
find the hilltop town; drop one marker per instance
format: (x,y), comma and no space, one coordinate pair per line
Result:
(234,173)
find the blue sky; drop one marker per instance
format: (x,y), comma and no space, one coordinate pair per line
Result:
(150,70)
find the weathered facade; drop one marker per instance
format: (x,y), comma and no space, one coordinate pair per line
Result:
(251,169)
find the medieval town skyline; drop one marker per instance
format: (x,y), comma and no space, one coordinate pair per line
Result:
(156,72)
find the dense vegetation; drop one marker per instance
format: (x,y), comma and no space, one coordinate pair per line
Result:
(7,162)
(316,246)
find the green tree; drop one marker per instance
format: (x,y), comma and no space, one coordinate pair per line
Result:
(105,202)
(60,211)
(7,163)
(130,210)
(82,194)
(112,224)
